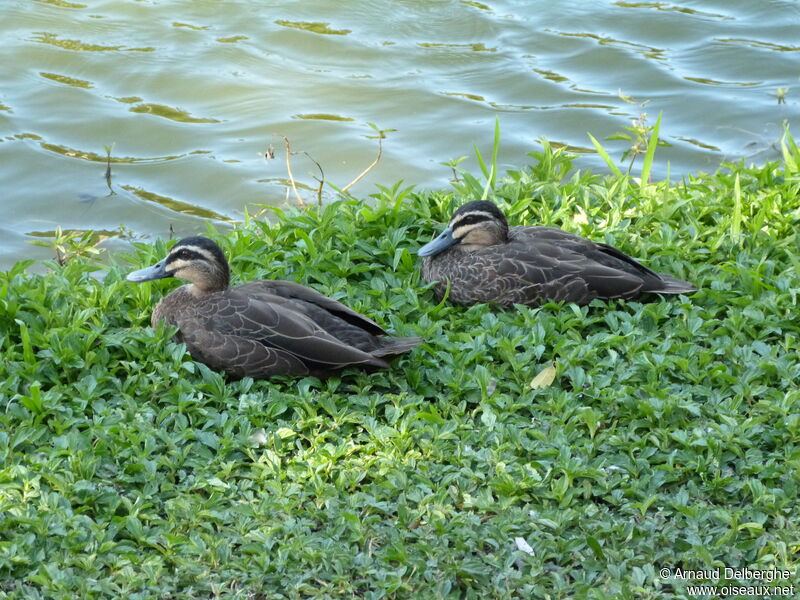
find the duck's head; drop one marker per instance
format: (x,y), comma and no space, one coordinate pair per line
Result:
(198,260)
(474,225)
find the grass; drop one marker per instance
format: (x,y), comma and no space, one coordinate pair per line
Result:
(667,436)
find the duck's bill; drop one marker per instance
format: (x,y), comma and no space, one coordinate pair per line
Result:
(157,271)
(440,243)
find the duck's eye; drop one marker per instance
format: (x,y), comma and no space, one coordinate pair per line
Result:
(185,254)
(471,220)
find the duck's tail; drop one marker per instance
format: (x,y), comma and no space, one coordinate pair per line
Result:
(391,347)
(672,285)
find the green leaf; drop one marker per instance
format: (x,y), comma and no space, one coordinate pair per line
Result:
(651,151)
(736,217)
(33,401)
(604,155)
(596,548)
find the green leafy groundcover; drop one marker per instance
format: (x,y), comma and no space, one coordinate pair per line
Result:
(668,439)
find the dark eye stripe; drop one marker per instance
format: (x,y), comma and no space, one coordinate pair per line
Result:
(471,219)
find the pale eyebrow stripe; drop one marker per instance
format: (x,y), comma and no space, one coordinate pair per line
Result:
(177,265)
(198,250)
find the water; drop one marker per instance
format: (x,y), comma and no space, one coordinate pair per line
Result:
(191,95)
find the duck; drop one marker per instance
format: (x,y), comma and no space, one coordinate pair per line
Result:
(264,328)
(480,259)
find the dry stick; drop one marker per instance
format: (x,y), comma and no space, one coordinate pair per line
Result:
(369,168)
(319,192)
(321,181)
(289,167)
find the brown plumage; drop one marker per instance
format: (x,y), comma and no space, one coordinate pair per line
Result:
(485,260)
(262,328)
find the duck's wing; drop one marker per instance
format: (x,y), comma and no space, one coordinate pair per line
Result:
(528,279)
(244,330)
(238,356)
(312,302)
(549,263)
(605,255)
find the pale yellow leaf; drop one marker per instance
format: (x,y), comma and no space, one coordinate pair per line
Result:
(545,377)
(285,432)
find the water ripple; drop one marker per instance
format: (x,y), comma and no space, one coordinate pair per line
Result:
(699,144)
(62,3)
(476,5)
(99,158)
(759,44)
(176,205)
(708,81)
(85,75)
(478,47)
(603,40)
(322,117)
(672,8)
(233,39)
(77,45)
(188,26)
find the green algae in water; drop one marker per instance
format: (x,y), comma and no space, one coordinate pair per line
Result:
(168,112)
(313,27)
(79,83)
